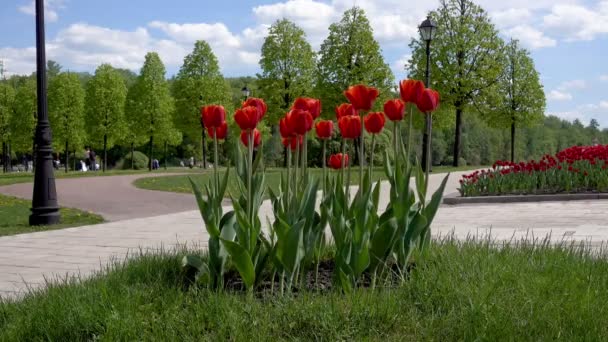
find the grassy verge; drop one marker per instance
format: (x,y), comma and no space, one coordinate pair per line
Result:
(273,177)
(26,177)
(14,214)
(464,291)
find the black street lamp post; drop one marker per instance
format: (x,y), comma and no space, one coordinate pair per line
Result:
(44,201)
(427,31)
(246,92)
(203,142)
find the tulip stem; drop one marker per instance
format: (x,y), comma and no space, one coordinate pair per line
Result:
(288,176)
(249,176)
(409,137)
(343,162)
(395,139)
(348,178)
(324,166)
(371,157)
(361,155)
(215,158)
(297,166)
(304,158)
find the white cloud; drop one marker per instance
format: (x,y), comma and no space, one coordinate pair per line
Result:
(577,22)
(569,115)
(50,9)
(531,37)
(603,104)
(511,17)
(573,84)
(402,63)
(604,78)
(557,95)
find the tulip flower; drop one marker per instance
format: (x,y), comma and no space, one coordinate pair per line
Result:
(394,109)
(313,106)
(257,103)
(213,116)
(345,109)
(428,101)
(361,96)
(410,90)
(350,126)
(324,129)
(220,132)
(247,117)
(285,128)
(374,122)
(336,161)
(300,121)
(257,138)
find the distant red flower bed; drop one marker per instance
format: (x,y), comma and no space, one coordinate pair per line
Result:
(573,170)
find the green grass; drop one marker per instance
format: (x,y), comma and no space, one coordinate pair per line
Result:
(26,177)
(273,176)
(14,214)
(464,291)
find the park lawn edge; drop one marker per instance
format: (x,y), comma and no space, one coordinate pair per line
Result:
(465,290)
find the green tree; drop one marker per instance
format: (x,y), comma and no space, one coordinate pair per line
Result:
(104,107)
(149,106)
(23,120)
(467,59)
(288,66)
(7,96)
(520,96)
(199,82)
(52,69)
(348,56)
(66,112)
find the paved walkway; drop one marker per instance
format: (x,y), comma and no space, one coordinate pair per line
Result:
(113,197)
(27,260)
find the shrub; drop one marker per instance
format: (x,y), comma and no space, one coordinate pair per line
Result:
(141,161)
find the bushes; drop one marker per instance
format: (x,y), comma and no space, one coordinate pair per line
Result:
(140,162)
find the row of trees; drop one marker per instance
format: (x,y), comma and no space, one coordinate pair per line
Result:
(473,68)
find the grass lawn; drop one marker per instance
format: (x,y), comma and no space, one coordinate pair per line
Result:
(14,216)
(463,291)
(273,177)
(26,177)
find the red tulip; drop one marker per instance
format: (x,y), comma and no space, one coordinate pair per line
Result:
(335,161)
(410,90)
(285,127)
(374,122)
(361,96)
(247,117)
(257,138)
(300,121)
(324,129)
(219,131)
(345,109)
(311,105)
(428,101)
(394,109)
(350,126)
(213,116)
(257,103)
(293,142)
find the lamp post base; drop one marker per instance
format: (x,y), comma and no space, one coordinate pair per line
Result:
(43,216)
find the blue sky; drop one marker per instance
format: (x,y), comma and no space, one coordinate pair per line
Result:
(568,39)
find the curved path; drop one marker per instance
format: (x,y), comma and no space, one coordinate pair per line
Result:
(113,197)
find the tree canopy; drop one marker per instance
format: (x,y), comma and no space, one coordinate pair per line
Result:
(288,66)
(467,59)
(7,97)
(66,111)
(23,119)
(348,56)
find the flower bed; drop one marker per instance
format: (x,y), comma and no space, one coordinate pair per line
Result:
(578,169)
(372,244)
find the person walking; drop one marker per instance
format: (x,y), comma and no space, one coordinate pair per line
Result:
(92,160)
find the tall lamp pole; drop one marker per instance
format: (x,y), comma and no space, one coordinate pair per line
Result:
(427,31)
(44,200)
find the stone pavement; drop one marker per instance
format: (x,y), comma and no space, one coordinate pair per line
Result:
(27,260)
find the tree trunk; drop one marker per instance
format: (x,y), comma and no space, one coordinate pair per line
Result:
(204,151)
(9,153)
(284,156)
(426,143)
(165,155)
(105,153)
(4,164)
(74,159)
(513,141)
(132,161)
(150,153)
(457,137)
(67,156)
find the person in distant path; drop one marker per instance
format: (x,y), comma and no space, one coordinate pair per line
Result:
(92,161)
(83,166)
(24,162)
(87,154)
(191,164)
